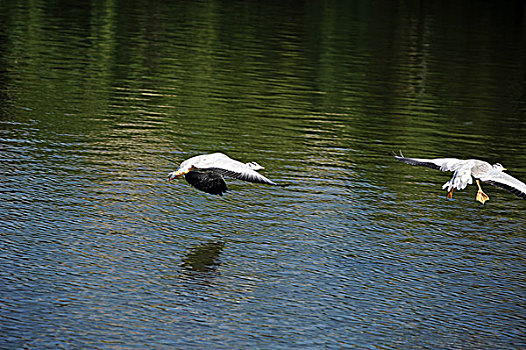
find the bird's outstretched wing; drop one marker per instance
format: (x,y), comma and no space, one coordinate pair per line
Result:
(245,174)
(444,164)
(207,181)
(222,164)
(505,181)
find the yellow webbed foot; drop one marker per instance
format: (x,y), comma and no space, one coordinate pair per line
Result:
(450,194)
(482,197)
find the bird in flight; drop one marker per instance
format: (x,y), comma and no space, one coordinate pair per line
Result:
(467,170)
(206,172)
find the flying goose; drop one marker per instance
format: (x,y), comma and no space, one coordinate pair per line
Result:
(206,172)
(467,170)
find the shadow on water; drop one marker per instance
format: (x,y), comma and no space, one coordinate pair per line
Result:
(203,257)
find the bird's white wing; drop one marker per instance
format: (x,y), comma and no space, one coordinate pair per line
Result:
(226,166)
(505,181)
(245,174)
(444,164)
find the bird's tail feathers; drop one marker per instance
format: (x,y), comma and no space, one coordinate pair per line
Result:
(458,182)
(396,155)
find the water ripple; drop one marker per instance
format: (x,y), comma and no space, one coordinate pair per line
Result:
(100,103)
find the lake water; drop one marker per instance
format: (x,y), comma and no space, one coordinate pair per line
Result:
(100,101)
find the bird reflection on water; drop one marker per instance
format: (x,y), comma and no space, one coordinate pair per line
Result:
(204,257)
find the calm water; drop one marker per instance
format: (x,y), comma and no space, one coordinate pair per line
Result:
(100,102)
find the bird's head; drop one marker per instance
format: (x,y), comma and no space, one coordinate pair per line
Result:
(499,167)
(254,166)
(183,169)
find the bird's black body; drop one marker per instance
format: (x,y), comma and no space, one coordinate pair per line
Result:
(207,181)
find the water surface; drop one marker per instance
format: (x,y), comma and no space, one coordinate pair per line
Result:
(100,102)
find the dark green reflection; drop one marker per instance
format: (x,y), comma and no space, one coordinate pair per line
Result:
(204,257)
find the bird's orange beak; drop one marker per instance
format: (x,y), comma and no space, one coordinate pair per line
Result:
(175,174)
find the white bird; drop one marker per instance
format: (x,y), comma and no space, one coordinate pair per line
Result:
(467,170)
(206,172)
